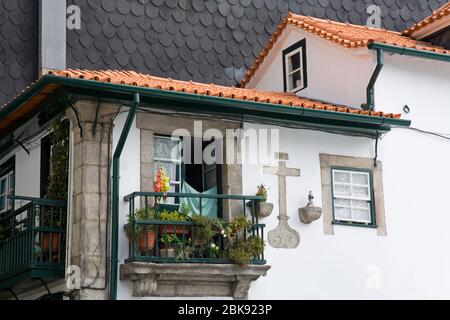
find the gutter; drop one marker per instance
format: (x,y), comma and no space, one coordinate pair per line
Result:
(370,90)
(410,51)
(215,104)
(190,102)
(115,196)
(381,48)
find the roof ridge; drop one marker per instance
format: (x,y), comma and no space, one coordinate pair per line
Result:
(345,34)
(437,14)
(346,24)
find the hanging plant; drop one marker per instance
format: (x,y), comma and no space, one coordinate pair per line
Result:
(59,161)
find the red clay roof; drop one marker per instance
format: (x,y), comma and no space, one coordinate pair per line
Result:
(133,78)
(436,15)
(345,34)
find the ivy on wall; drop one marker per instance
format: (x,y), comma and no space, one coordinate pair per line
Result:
(59,161)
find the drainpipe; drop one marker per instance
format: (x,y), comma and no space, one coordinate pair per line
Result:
(115,196)
(370,90)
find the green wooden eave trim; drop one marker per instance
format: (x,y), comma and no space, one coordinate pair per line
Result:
(410,51)
(252,110)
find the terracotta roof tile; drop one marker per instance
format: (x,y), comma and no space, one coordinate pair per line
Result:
(133,78)
(436,15)
(345,34)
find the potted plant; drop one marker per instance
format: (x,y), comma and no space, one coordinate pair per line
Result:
(264,209)
(262,191)
(145,235)
(52,241)
(169,240)
(172,216)
(242,252)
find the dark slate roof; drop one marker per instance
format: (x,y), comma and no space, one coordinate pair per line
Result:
(18,46)
(441,38)
(207,41)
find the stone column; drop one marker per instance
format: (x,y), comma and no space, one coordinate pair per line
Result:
(92,152)
(232,173)
(147,164)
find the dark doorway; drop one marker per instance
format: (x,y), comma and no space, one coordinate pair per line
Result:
(202,176)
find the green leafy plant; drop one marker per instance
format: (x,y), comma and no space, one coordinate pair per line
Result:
(133,230)
(185,208)
(204,230)
(170,239)
(244,251)
(240,223)
(58,179)
(174,215)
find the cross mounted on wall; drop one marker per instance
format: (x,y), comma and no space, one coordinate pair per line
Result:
(283,236)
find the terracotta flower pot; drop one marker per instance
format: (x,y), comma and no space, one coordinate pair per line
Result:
(51,242)
(147,240)
(170,229)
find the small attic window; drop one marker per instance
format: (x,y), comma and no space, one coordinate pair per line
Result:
(294,67)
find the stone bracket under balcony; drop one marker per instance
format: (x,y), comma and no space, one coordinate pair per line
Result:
(191,279)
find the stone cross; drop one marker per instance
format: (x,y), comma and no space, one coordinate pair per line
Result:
(283,236)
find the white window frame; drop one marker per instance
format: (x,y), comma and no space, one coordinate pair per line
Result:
(287,58)
(368,198)
(9,190)
(177,161)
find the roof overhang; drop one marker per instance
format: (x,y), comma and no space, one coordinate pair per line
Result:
(409,51)
(432,28)
(20,109)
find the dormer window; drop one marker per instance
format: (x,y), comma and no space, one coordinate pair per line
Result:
(294,67)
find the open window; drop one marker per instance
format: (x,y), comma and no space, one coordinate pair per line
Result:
(294,67)
(6,185)
(200,174)
(46,165)
(188,171)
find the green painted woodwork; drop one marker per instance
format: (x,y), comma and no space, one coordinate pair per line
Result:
(186,231)
(29,251)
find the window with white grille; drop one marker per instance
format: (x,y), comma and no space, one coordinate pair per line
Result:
(168,155)
(352,196)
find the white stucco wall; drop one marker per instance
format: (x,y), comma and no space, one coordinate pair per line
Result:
(335,74)
(411,261)
(27,168)
(129,182)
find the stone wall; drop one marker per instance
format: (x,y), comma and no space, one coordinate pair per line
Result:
(89,199)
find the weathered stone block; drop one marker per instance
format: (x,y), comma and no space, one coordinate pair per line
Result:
(91,179)
(190,279)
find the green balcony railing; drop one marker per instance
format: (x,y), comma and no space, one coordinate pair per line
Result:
(32,241)
(172,232)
